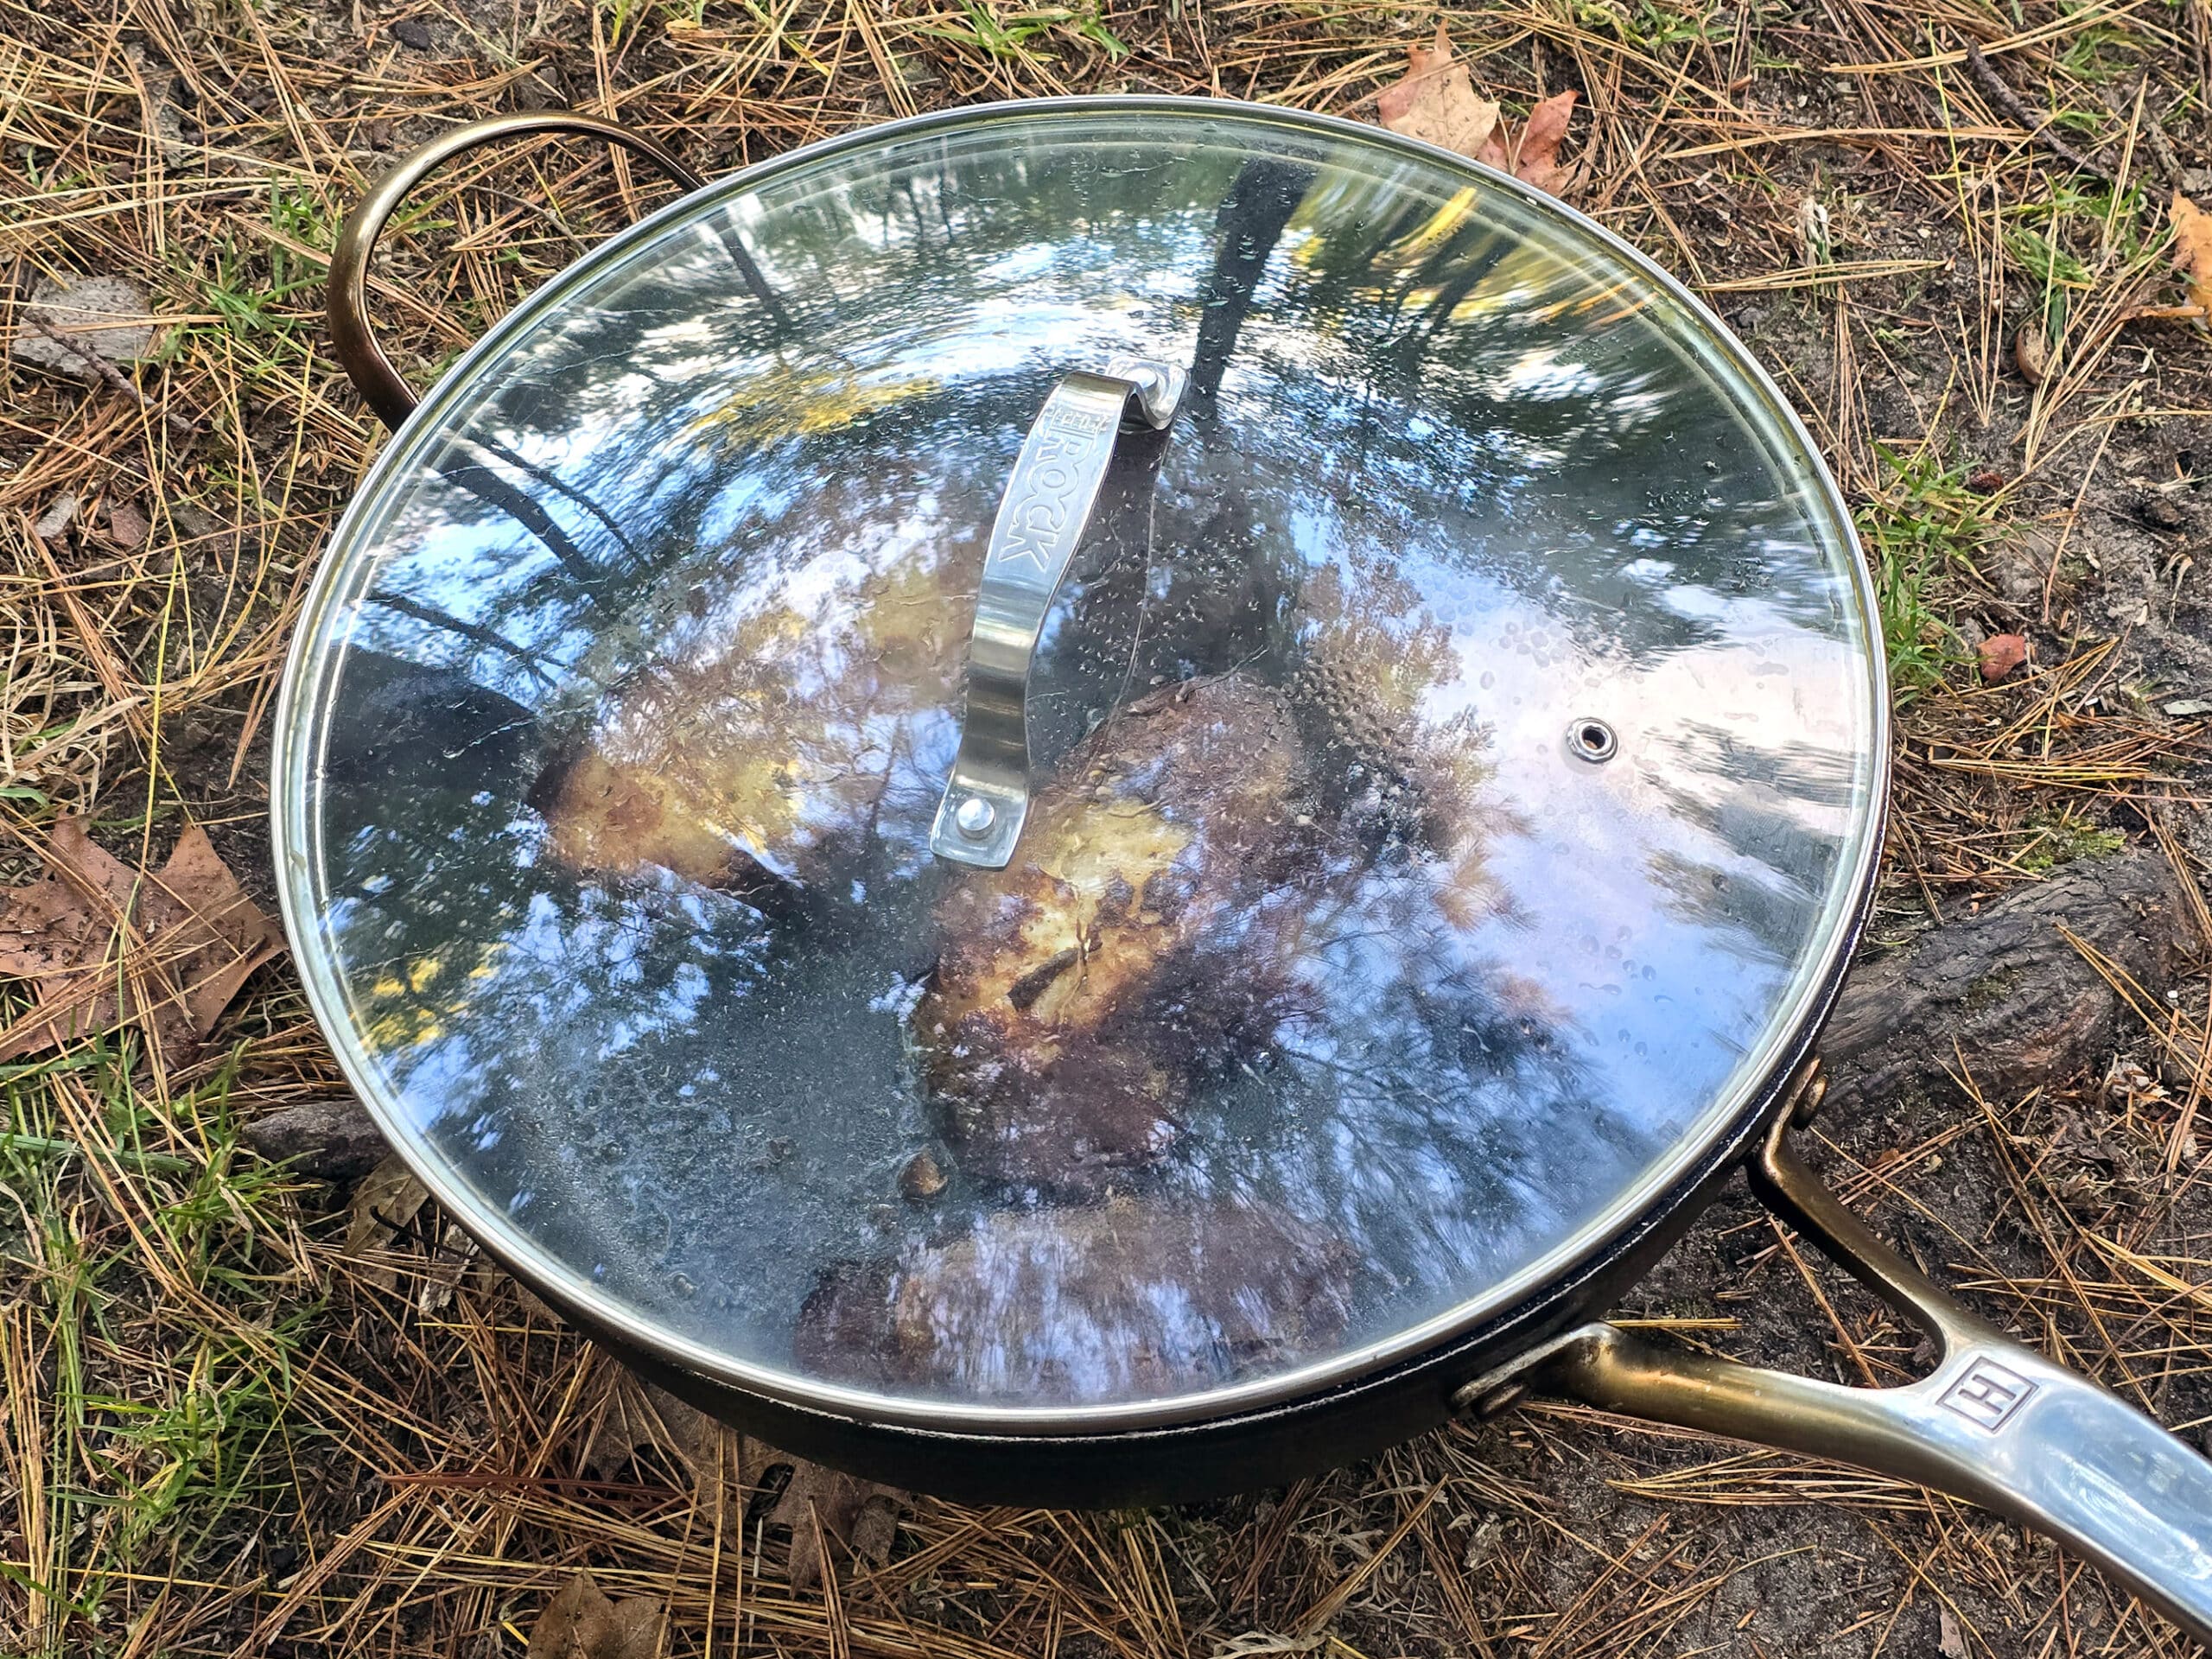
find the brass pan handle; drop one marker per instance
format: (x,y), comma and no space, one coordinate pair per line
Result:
(354,339)
(1996,1423)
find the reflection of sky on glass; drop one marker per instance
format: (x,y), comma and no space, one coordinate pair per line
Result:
(702,1110)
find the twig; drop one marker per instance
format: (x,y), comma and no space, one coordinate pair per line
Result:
(2038,126)
(2154,136)
(107,371)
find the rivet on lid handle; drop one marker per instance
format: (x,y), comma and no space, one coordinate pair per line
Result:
(1041,519)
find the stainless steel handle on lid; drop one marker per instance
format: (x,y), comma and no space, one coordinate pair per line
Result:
(1995,1423)
(1041,519)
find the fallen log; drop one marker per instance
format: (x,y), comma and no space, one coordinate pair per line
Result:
(2002,992)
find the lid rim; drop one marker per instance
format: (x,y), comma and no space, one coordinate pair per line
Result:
(297,849)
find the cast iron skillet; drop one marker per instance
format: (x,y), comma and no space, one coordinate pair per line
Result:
(1994,1423)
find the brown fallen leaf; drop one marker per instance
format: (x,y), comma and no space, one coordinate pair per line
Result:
(1999,655)
(640,1414)
(1537,159)
(106,946)
(2193,249)
(388,1199)
(1435,101)
(581,1623)
(859,1514)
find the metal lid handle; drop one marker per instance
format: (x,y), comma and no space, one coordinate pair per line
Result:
(1041,519)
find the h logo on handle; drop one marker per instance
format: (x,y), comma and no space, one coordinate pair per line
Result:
(1987,1394)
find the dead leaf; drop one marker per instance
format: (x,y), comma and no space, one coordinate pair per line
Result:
(126,525)
(2193,250)
(1536,161)
(1999,655)
(639,1414)
(455,1251)
(581,1623)
(859,1514)
(2032,353)
(1435,101)
(388,1199)
(197,938)
(1950,1641)
(74,326)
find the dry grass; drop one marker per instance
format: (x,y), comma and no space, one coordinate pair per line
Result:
(222,1437)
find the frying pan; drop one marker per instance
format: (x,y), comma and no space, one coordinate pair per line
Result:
(1105,800)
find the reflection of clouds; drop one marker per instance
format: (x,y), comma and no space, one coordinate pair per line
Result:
(673,1093)
(1616,871)
(1539,373)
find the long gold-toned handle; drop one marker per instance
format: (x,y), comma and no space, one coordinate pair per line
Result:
(355,342)
(1996,1424)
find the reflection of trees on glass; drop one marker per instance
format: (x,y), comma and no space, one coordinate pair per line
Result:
(1404,341)
(1773,818)
(648,710)
(750,745)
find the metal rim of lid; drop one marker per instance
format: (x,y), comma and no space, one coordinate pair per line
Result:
(295,842)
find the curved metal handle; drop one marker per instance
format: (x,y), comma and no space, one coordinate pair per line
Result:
(1996,1424)
(1041,518)
(347,308)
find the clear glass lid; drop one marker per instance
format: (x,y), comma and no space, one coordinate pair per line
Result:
(1453,762)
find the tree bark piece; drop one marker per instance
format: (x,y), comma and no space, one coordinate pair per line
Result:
(2003,993)
(331,1139)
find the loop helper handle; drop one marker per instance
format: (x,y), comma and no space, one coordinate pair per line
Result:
(346,308)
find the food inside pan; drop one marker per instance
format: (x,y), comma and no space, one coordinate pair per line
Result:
(1134,943)
(1125,1299)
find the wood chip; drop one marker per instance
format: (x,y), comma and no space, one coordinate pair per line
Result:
(73,326)
(126,525)
(56,519)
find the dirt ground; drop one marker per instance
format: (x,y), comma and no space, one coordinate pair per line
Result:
(225,1434)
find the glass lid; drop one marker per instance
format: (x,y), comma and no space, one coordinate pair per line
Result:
(868,931)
